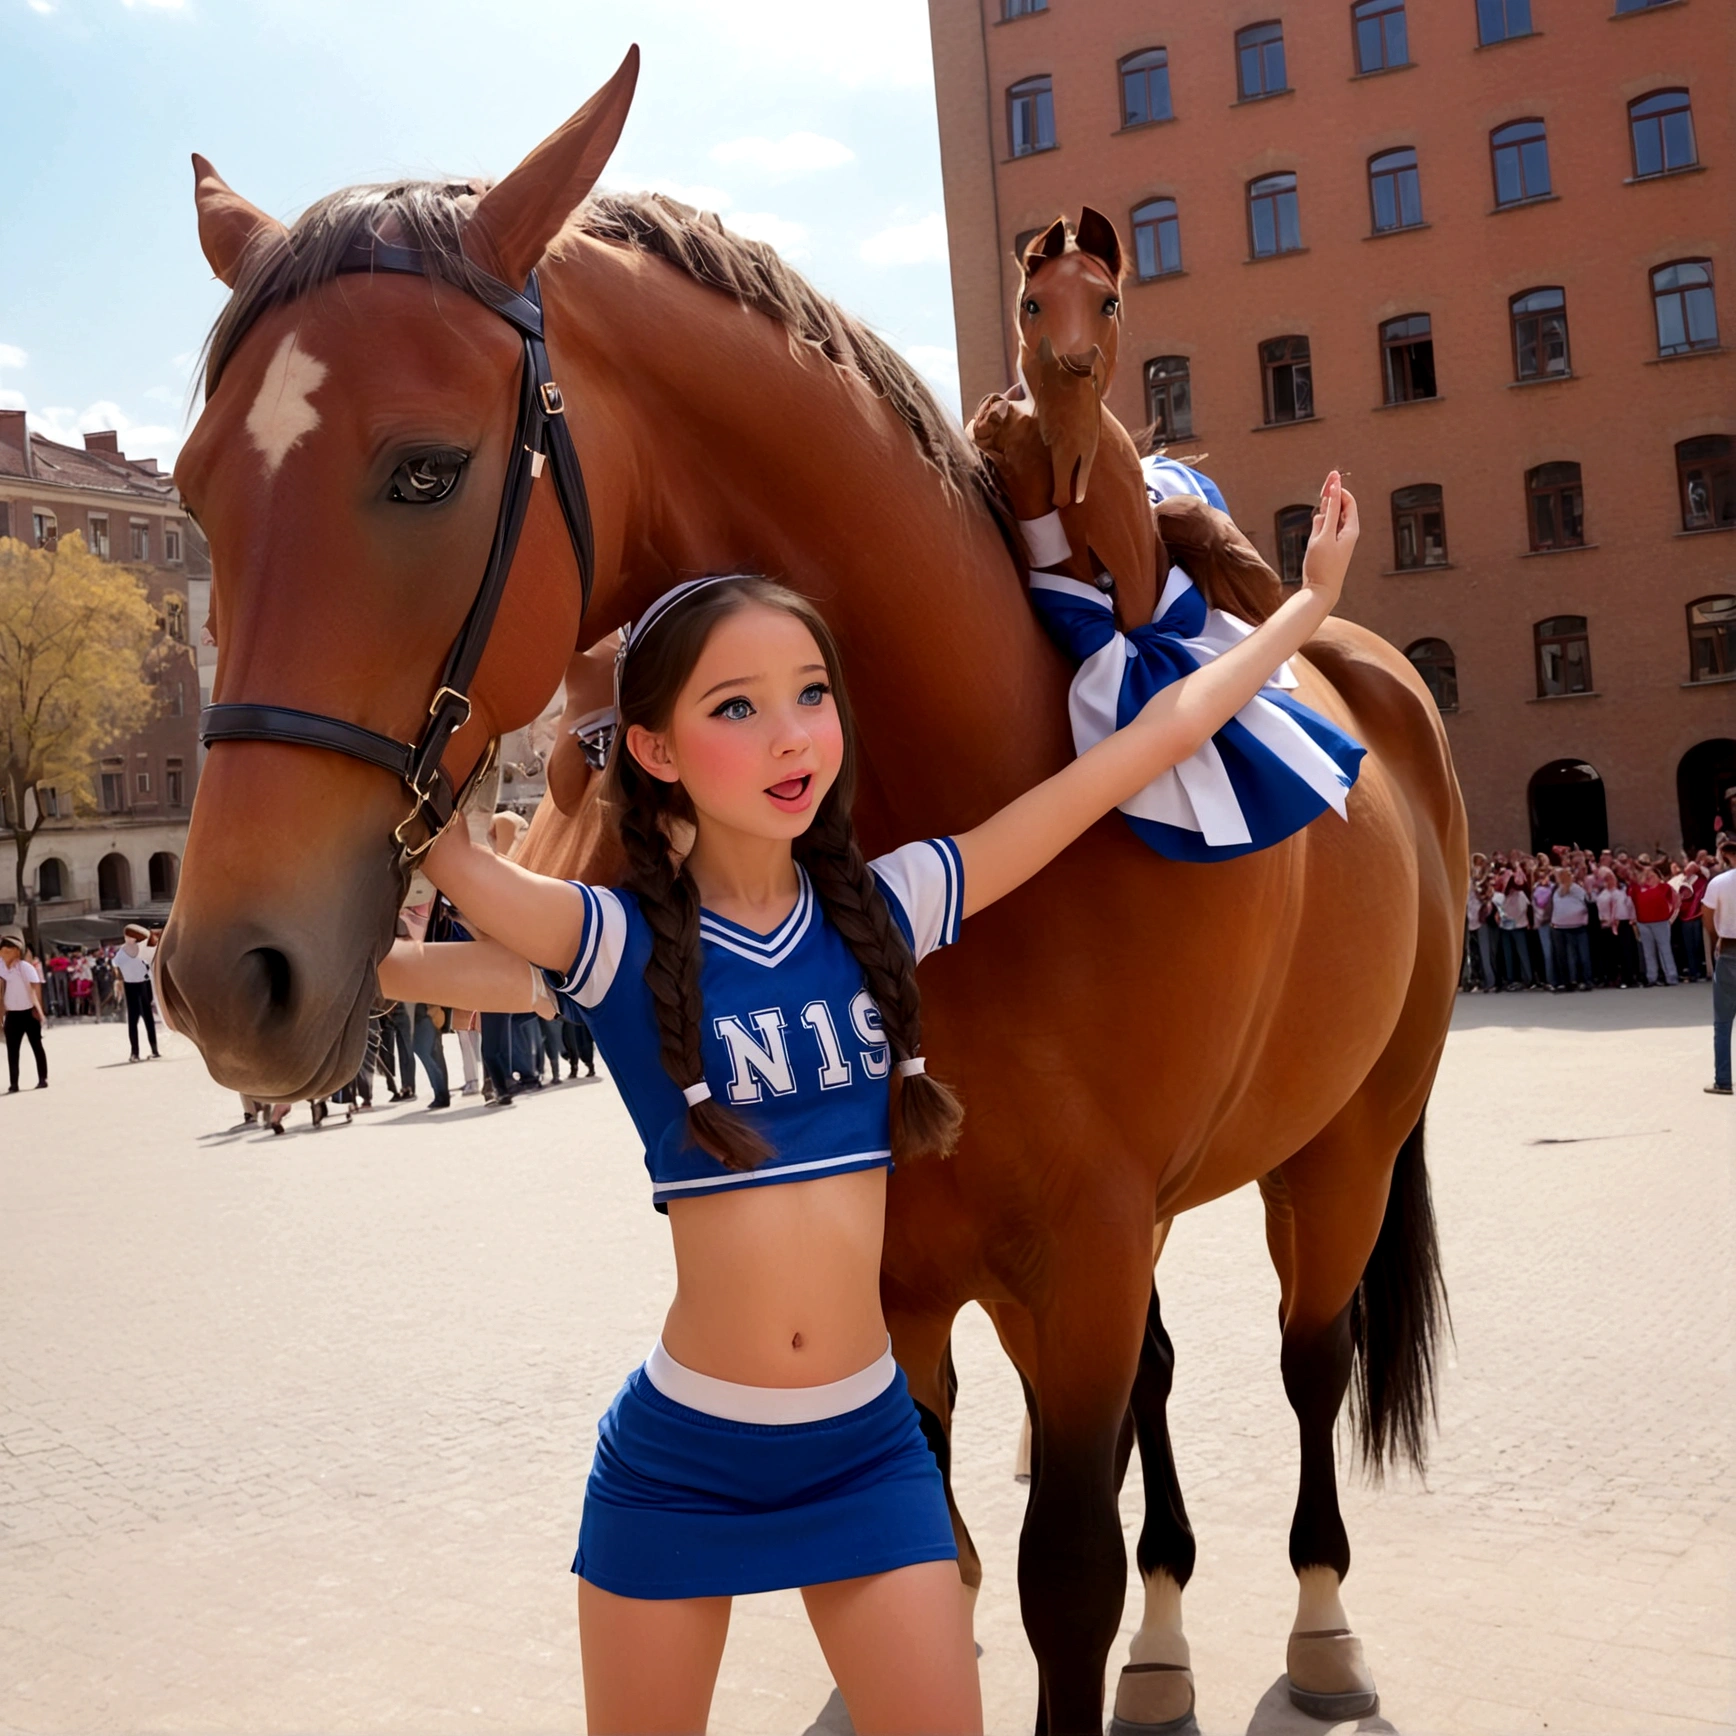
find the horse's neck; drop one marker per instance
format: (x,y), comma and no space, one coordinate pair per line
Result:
(750,457)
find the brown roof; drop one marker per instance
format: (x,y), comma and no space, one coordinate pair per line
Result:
(44,460)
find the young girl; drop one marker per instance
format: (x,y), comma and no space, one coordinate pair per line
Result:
(751,985)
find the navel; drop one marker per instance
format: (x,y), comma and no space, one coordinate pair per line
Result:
(796,1342)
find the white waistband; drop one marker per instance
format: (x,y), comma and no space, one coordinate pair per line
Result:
(777,1405)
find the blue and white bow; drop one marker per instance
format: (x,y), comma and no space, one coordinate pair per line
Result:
(1268,772)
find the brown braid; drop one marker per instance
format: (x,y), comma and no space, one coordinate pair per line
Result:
(926,1116)
(669,903)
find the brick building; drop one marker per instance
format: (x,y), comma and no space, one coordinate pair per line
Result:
(90,871)
(1475,252)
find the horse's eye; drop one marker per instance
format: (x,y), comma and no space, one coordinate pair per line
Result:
(431,476)
(1031,308)
(1111,307)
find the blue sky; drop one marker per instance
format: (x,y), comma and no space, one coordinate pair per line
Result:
(809,123)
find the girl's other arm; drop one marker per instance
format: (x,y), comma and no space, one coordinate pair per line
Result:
(481,974)
(531,915)
(1011,846)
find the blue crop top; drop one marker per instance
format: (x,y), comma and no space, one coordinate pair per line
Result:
(792,1040)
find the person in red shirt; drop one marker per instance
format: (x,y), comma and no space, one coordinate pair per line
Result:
(1654,911)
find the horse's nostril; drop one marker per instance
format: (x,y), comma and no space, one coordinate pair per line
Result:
(274,967)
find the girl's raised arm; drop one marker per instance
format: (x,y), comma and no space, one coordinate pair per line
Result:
(481,974)
(1007,849)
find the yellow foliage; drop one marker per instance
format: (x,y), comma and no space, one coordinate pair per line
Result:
(75,635)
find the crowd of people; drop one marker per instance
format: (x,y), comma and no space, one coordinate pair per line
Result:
(1568,919)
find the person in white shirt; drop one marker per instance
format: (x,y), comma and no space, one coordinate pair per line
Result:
(1615,910)
(1568,921)
(133,963)
(1718,919)
(23,998)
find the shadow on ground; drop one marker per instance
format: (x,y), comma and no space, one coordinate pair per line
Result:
(1685,1007)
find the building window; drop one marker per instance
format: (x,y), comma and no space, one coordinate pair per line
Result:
(114,788)
(1169,398)
(1557,506)
(1433,660)
(1380,35)
(1274,216)
(99,537)
(171,544)
(1687,315)
(5,518)
(44,530)
(1031,117)
(1705,475)
(50,883)
(1539,320)
(142,783)
(1294,525)
(1521,157)
(1407,351)
(1022,8)
(1662,125)
(1419,527)
(175,620)
(1395,195)
(1289,379)
(48,801)
(141,541)
(1711,638)
(1563,656)
(1156,238)
(174,789)
(1501,20)
(1260,60)
(1145,88)
(178,705)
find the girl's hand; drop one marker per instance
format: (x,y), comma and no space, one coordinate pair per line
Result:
(1332,540)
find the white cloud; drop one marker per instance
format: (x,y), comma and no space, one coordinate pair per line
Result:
(695,193)
(45,7)
(788,237)
(920,243)
(793,154)
(69,427)
(11,356)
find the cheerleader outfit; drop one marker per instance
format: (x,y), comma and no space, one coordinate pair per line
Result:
(1273,768)
(702,1487)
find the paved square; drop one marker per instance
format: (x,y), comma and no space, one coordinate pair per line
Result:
(293,1431)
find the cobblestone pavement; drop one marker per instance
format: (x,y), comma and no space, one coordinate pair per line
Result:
(293,1431)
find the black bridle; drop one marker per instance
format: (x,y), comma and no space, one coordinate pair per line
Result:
(541,435)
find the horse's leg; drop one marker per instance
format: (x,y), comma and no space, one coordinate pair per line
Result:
(1072,1563)
(923,1346)
(1335,1213)
(1156,1694)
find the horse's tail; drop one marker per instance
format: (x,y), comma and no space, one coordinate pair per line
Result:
(1396,1319)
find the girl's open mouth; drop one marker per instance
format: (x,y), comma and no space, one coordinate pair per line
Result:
(792,794)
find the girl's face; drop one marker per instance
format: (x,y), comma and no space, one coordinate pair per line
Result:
(755,737)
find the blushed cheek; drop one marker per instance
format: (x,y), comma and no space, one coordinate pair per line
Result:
(720,767)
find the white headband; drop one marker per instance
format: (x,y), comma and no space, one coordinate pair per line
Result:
(635,631)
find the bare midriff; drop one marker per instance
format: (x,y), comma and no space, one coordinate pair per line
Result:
(780,1285)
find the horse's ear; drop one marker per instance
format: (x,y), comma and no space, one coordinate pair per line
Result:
(228,225)
(1096,236)
(1051,244)
(518,217)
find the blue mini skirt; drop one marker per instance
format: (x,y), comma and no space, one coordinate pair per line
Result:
(684,1504)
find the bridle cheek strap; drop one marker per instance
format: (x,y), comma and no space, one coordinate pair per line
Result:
(541,437)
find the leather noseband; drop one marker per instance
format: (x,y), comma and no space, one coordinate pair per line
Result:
(541,435)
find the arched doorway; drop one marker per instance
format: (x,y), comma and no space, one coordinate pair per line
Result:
(1567,806)
(1706,791)
(165,871)
(114,882)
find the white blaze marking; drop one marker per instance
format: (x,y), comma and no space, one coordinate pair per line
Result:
(281,414)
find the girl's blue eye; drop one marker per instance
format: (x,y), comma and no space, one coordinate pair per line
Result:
(736,710)
(814,694)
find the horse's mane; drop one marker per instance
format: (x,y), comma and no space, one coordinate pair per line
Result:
(430,216)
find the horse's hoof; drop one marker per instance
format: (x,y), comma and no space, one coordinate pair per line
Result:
(1154,1700)
(1329,1677)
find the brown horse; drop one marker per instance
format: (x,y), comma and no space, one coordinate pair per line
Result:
(1122,1061)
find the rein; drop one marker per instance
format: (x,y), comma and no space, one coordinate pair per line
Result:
(541,436)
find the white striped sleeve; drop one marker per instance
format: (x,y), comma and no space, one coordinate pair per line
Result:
(601,943)
(924,885)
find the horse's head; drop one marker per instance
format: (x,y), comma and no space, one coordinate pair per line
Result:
(348,469)
(1069,337)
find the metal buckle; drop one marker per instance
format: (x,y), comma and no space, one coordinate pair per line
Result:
(552,402)
(450,692)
